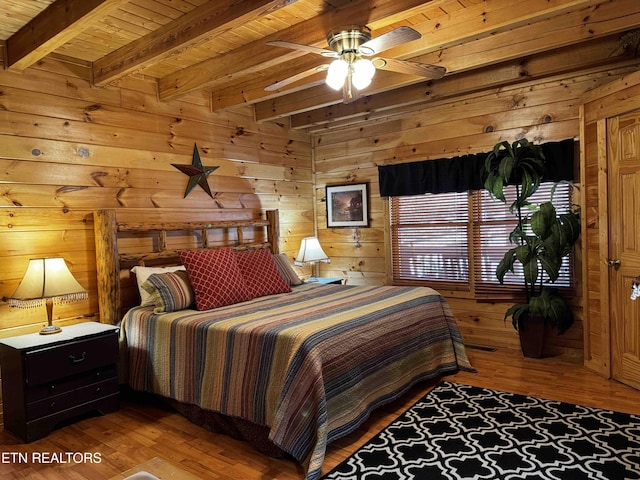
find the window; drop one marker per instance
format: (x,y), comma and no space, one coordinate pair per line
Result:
(429,237)
(454,241)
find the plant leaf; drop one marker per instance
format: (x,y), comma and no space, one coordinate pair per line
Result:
(531,271)
(551,264)
(506,167)
(506,264)
(543,219)
(570,225)
(523,253)
(518,313)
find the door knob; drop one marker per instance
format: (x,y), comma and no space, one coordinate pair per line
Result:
(615,263)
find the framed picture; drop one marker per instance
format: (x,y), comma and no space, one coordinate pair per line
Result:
(347,205)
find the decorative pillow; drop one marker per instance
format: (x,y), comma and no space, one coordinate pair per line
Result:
(260,273)
(142,273)
(215,277)
(286,270)
(170,291)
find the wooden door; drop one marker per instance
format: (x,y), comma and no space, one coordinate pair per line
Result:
(624,245)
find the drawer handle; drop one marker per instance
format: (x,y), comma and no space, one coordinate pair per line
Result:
(75,360)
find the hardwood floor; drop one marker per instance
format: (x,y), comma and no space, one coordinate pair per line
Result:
(138,432)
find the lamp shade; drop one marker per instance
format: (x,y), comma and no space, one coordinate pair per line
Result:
(336,74)
(47,278)
(310,252)
(363,71)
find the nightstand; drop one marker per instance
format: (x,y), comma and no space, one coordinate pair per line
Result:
(324,281)
(50,378)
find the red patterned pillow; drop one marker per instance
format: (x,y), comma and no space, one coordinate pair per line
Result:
(260,273)
(215,277)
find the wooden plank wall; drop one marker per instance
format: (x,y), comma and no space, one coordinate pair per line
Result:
(68,149)
(543,110)
(596,351)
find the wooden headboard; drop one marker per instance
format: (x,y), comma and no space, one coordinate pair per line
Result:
(116,290)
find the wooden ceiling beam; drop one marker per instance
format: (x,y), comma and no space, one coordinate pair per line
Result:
(211,19)
(580,57)
(580,25)
(56,25)
(486,19)
(258,56)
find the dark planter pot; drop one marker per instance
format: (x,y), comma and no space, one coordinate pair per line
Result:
(532,337)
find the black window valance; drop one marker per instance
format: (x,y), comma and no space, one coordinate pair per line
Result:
(464,173)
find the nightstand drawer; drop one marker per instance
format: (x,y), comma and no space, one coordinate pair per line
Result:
(33,393)
(97,390)
(60,361)
(52,405)
(72,398)
(51,389)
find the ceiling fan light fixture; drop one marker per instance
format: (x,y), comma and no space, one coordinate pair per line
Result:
(337,73)
(351,72)
(363,71)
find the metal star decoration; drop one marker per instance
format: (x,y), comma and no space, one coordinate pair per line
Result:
(196,172)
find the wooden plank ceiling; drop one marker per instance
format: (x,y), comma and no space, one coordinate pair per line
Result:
(219,48)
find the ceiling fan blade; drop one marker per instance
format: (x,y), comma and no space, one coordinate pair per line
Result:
(305,48)
(412,68)
(388,40)
(294,78)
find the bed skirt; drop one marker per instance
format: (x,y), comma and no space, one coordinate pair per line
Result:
(238,428)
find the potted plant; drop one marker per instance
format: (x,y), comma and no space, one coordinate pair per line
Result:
(541,238)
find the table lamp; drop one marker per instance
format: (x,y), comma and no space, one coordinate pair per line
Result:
(47,281)
(311,253)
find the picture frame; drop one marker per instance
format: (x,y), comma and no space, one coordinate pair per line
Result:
(347,205)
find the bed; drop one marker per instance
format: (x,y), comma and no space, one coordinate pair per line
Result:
(305,365)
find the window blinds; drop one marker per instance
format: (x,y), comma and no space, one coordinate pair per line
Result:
(456,240)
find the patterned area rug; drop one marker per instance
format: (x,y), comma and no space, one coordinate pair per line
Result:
(463,432)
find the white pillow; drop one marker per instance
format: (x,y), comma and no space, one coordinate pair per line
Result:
(142,273)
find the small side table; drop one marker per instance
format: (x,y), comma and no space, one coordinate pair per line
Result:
(50,378)
(324,281)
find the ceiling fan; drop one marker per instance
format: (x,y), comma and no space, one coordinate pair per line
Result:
(350,70)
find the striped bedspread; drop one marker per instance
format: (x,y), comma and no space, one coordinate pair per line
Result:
(310,364)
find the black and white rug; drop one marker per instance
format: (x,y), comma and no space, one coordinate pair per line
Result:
(462,432)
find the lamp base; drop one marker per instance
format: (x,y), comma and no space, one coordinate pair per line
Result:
(49,329)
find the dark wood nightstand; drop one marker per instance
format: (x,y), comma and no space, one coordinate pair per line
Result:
(324,281)
(50,378)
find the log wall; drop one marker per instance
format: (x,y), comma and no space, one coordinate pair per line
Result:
(67,149)
(543,110)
